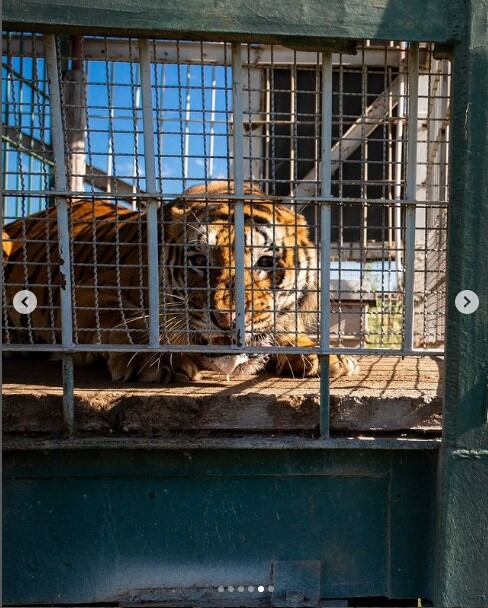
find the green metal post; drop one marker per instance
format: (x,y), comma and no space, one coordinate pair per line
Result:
(462,545)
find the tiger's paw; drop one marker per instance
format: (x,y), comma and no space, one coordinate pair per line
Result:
(308,366)
(167,369)
(342,365)
(120,366)
(152,368)
(298,366)
(181,368)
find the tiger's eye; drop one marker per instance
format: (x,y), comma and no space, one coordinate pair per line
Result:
(266,262)
(199,260)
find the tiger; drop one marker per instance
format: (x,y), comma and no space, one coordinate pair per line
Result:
(196,279)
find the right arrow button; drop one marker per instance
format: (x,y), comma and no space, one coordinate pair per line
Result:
(467,302)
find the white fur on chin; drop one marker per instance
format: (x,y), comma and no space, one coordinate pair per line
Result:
(228,364)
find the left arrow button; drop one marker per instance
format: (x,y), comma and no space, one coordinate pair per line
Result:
(25,302)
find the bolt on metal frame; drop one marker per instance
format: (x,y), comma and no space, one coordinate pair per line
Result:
(333,156)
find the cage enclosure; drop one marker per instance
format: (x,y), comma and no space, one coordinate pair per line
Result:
(232,241)
(184,206)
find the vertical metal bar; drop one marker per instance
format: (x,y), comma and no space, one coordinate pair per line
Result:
(19,154)
(68,387)
(293,125)
(213,101)
(160,96)
(238,170)
(60,177)
(186,156)
(267,133)
(325,237)
(397,191)
(152,204)
(363,239)
(135,162)
(110,151)
(410,193)
(75,117)
(5,156)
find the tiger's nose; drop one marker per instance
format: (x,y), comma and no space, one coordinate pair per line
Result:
(223,320)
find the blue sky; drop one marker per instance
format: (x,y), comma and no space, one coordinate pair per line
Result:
(173,87)
(169,114)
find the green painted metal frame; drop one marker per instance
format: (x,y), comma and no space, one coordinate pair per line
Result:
(98,525)
(462,545)
(461,548)
(304,21)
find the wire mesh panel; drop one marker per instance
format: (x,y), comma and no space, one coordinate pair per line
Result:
(228,206)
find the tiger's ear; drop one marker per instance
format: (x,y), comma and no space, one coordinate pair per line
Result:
(200,194)
(218,187)
(197,195)
(175,208)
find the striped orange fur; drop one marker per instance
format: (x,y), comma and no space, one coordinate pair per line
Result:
(197,282)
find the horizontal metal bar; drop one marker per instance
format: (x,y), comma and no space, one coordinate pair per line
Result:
(369,442)
(207,53)
(220,197)
(230,349)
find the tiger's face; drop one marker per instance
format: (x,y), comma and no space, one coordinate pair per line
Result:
(279,268)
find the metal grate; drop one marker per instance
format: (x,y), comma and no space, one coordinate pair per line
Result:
(224,199)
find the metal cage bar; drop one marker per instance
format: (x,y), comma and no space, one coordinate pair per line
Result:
(411,193)
(238,171)
(61,185)
(325,239)
(151,204)
(274,138)
(60,178)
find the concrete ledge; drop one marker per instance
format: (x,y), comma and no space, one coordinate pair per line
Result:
(388,394)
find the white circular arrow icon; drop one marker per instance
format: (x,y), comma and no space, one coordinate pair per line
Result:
(25,302)
(467,302)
